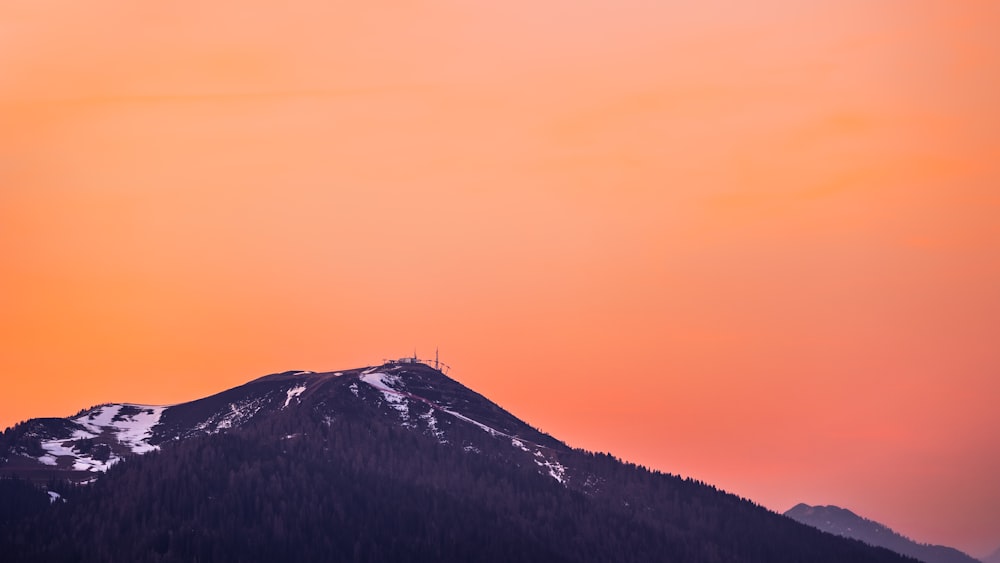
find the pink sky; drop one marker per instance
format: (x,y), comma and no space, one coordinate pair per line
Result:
(757,245)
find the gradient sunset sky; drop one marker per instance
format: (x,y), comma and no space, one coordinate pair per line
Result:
(755,243)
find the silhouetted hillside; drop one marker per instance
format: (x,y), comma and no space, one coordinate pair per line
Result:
(392,463)
(843,522)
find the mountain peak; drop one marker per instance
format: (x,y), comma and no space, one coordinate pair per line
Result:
(410,393)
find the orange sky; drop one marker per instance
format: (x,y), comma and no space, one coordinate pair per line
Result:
(753,243)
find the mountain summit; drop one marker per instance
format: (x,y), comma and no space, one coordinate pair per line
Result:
(396,462)
(407,392)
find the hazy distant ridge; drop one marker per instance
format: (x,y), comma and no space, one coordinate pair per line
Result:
(993,557)
(843,522)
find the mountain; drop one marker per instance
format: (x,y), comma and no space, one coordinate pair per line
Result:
(993,557)
(420,398)
(396,462)
(843,522)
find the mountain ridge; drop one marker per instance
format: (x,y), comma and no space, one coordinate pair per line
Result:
(96,438)
(843,522)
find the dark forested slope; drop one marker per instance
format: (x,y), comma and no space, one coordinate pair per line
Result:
(342,479)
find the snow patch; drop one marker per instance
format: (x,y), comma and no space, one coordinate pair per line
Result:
(227,420)
(381,380)
(428,417)
(293,393)
(98,419)
(47,459)
(386,384)
(57,448)
(128,424)
(90,464)
(396,399)
(81,435)
(135,430)
(131,424)
(556,470)
(487,429)
(399,403)
(239,412)
(54,496)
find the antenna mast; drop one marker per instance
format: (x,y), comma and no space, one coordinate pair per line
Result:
(436,359)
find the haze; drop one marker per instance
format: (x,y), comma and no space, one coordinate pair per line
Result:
(752,243)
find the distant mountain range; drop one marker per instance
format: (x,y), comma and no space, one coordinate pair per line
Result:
(843,522)
(396,462)
(992,558)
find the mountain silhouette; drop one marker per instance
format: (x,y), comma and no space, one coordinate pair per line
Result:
(396,462)
(843,522)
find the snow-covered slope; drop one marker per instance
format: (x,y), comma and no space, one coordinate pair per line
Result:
(406,390)
(127,424)
(414,395)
